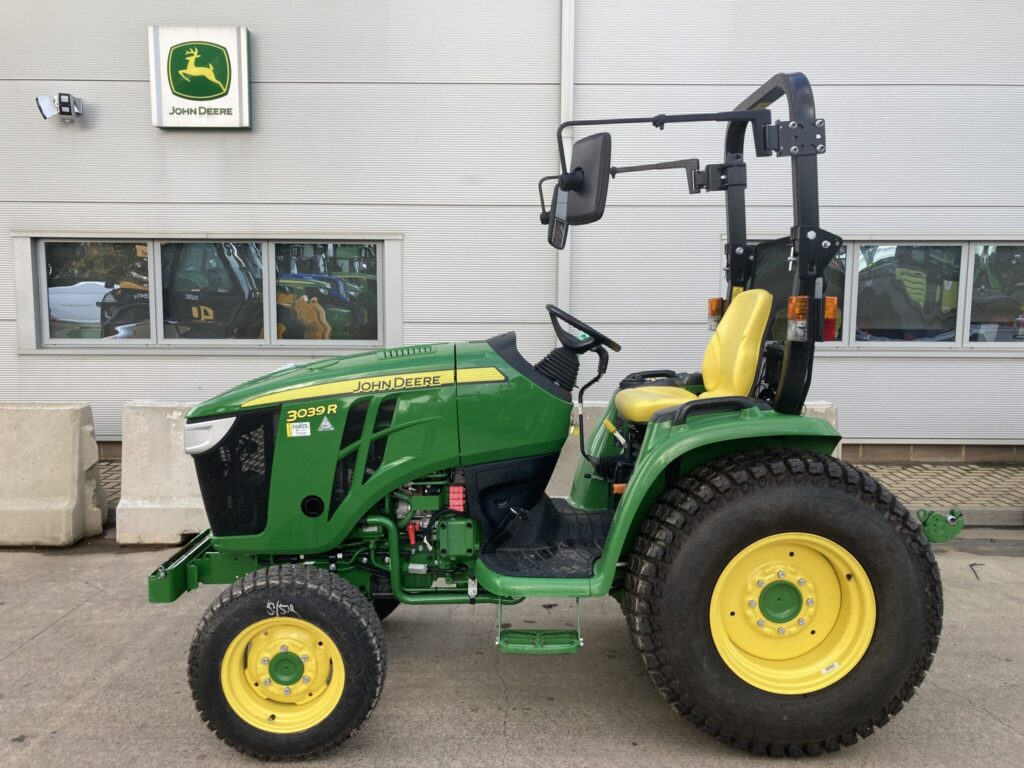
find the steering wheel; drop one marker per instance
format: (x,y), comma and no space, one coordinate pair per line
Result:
(574,342)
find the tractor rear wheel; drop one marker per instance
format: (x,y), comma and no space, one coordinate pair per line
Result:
(287,663)
(783,601)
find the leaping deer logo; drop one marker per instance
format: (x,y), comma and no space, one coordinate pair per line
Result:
(191,68)
(190,79)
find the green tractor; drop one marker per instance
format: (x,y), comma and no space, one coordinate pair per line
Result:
(781,600)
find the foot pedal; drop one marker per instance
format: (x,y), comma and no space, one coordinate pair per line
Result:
(539,641)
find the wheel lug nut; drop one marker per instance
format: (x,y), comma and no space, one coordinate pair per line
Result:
(752,603)
(304,658)
(284,649)
(782,574)
(810,601)
(782,630)
(305,679)
(760,583)
(287,691)
(264,661)
(760,622)
(266,681)
(801,622)
(801,582)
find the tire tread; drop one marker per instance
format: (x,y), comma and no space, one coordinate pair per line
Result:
(324,585)
(694,498)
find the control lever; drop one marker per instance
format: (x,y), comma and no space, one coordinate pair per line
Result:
(602,367)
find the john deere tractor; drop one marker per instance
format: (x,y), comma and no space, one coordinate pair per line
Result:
(780,599)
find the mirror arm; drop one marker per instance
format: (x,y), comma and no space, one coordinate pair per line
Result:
(757,116)
(544,216)
(690,165)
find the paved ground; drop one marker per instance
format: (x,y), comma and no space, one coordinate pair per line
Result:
(972,487)
(94,676)
(110,479)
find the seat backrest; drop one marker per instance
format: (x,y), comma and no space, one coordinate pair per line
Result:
(734,352)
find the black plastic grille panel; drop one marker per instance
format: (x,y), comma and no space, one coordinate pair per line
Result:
(234,477)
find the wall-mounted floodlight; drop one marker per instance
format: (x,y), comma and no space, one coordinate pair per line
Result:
(69,107)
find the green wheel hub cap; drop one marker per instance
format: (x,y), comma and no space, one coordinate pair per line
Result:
(780,602)
(286,668)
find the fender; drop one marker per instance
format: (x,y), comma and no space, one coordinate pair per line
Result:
(670,451)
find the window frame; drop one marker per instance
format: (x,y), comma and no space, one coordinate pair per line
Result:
(853,278)
(969,288)
(848,345)
(320,343)
(163,341)
(30,292)
(42,298)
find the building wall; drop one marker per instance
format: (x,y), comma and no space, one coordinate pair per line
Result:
(922,102)
(434,121)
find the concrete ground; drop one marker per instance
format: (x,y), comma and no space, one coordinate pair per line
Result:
(92,675)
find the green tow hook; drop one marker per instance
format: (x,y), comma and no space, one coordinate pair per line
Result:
(941,526)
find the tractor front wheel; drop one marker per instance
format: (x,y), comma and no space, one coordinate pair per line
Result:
(783,601)
(288,662)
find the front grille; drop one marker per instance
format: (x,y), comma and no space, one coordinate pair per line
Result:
(234,477)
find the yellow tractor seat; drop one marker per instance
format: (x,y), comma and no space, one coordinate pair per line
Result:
(730,361)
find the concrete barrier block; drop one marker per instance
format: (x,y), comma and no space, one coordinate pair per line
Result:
(51,493)
(823,409)
(160,498)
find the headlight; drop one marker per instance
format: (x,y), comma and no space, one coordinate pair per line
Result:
(204,435)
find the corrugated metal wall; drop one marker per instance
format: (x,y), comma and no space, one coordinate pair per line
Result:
(434,120)
(431,120)
(923,101)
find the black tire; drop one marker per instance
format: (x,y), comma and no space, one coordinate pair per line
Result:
(319,597)
(703,520)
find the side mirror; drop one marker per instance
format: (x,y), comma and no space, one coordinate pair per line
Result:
(588,178)
(558,226)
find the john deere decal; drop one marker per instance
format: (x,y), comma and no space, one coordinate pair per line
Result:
(199,71)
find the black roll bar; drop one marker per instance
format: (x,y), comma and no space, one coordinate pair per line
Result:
(801,138)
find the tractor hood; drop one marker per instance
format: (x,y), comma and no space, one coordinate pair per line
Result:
(378,371)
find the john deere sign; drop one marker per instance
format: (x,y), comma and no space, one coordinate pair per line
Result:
(199,77)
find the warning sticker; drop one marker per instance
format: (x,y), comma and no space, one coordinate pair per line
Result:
(298,429)
(325,426)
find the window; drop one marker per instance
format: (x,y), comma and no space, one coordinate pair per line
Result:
(774,275)
(326,291)
(96,290)
(997,294)
(212,290)
(907,292)
(209,292)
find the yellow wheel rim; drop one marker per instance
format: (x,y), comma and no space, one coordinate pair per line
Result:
(282,675)
(792,613)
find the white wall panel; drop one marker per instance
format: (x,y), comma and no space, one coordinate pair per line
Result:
(897,145)
(958,399)
(647,265)
(341,41)
(736,41)
(312,143)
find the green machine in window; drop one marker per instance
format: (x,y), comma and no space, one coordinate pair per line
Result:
(781,600)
